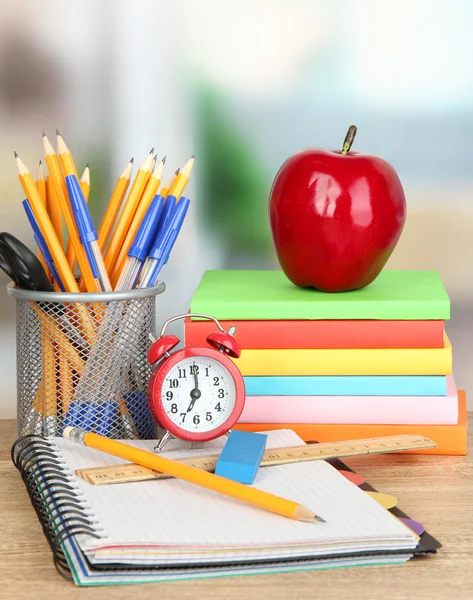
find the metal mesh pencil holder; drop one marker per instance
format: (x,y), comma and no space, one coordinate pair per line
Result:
(82,361)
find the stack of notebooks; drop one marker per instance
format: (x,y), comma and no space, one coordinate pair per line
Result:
(167,529)
(366,363)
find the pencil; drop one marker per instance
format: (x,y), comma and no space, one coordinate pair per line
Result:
(128,212)
(114,205)
(47,229)
(85,182)
(164,191)
(41,185)
(227,487)
(56,177)
(53,210)
(68,168)
(66,384)
(50,386)
(182,179)
(148,195)
(52,241)
(65,157)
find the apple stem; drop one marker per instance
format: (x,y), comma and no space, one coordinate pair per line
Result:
(349,139)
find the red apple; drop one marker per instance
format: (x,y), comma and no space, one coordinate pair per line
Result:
(336,216)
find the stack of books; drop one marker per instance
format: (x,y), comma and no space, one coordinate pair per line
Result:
(366,363)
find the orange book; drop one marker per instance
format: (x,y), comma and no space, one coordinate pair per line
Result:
(450,439)
(323,334)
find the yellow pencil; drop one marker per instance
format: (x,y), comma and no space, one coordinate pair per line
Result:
(114,205)
(182,179)
(65,157)
(69,168)
(66,384)
(164,191)
(85,182)
(47,229)
(148,195)
(49,375)
(56,177)
(54,210)
(128,212)
(52,241)
(209,481)
(41,185)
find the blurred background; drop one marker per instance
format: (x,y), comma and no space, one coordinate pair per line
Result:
(243,84)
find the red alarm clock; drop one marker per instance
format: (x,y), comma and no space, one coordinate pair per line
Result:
(195,394)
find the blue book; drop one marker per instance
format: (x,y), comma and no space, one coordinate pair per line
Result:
(348,385)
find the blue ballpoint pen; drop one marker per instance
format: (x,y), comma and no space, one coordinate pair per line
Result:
(168,209)
(169,246)
(164,242)
(141,245)
(88,235)
(41,243)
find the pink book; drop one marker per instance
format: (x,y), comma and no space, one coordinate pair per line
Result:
(369,410)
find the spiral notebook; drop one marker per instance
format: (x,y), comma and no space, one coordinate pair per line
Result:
(162,530)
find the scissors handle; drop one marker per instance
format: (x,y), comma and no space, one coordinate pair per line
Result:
(21,265)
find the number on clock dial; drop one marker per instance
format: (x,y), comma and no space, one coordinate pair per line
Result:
(202,407)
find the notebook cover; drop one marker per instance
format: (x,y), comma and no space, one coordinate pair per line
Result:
(450,439)
(323,334)
(269,295)
(347,385)
(364,361)
(376,410)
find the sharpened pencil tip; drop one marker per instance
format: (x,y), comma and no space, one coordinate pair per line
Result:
(177,172)
(152,150)
(40,162)
(132,159)
(16,155)
(44,135)
(155,157)
(193,156)
(57,132)
(317,518)
(87,166)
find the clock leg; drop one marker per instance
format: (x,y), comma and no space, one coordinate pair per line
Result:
(163,440)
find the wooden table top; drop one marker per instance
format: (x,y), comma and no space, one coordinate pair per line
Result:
(437,491)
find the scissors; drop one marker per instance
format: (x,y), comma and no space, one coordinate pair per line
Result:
(21,265)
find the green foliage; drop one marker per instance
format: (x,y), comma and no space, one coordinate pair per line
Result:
(233,188)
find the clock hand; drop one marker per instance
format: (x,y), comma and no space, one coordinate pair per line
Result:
(195,393)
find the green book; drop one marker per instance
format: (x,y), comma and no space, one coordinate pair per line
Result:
(269,295)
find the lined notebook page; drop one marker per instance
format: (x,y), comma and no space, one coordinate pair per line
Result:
(174,516)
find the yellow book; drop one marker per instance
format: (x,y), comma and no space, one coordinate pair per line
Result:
(347,361)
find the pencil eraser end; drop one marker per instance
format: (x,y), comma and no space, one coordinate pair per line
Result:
(67,432)
(241,456)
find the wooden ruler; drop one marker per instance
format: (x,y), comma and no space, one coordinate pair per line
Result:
(128,472)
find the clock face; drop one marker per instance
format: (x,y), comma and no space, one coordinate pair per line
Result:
(198,394)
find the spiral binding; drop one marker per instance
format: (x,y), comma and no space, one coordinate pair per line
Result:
(55,496)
